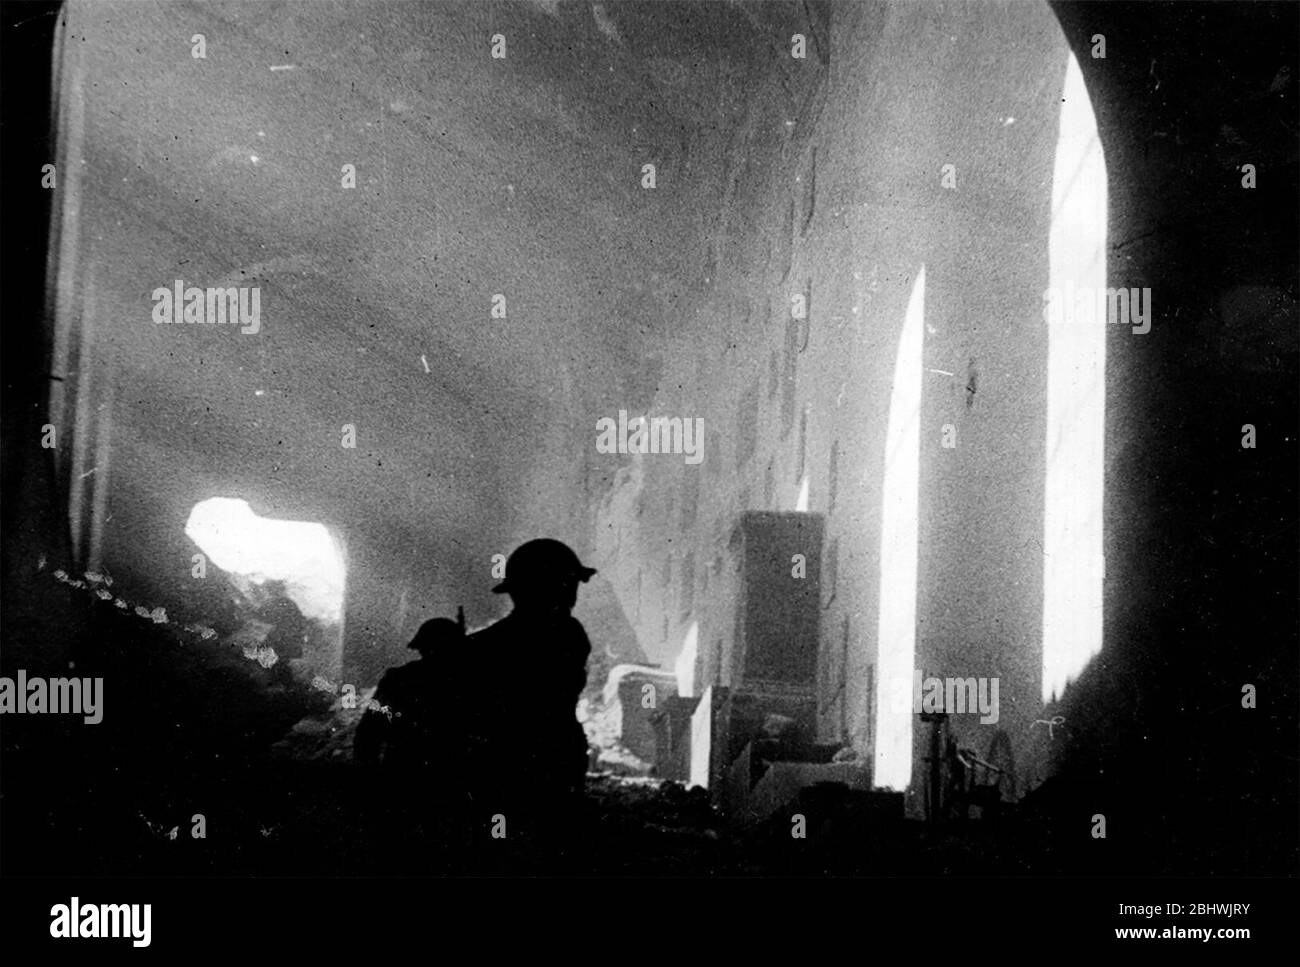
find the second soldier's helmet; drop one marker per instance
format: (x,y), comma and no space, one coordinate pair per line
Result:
(437,634)
(542,560)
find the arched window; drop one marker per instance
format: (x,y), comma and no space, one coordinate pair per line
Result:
(1075,310)
(685,663)
(898,553)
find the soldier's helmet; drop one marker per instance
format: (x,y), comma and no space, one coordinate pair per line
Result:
(543,561)
(437,634)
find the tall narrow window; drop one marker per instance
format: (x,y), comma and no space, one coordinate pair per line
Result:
(833,477)
(803,445)
(1076,365)
(831,571)
(688,585)
(690,497)
(896,636)
(801,501)
(685,663)
(747,426)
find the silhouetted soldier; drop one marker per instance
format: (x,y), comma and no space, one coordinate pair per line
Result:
(414,731)
(533,667)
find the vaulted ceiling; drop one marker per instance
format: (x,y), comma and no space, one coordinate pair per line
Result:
(475,177)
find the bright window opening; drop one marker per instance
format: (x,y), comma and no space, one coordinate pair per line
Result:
(302,555)
(1073,568)
(898,551)
(685,665)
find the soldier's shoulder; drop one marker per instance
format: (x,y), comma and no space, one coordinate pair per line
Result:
(398,674)
(495,630)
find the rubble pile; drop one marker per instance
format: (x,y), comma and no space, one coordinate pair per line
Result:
(647,825)
(608,754)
